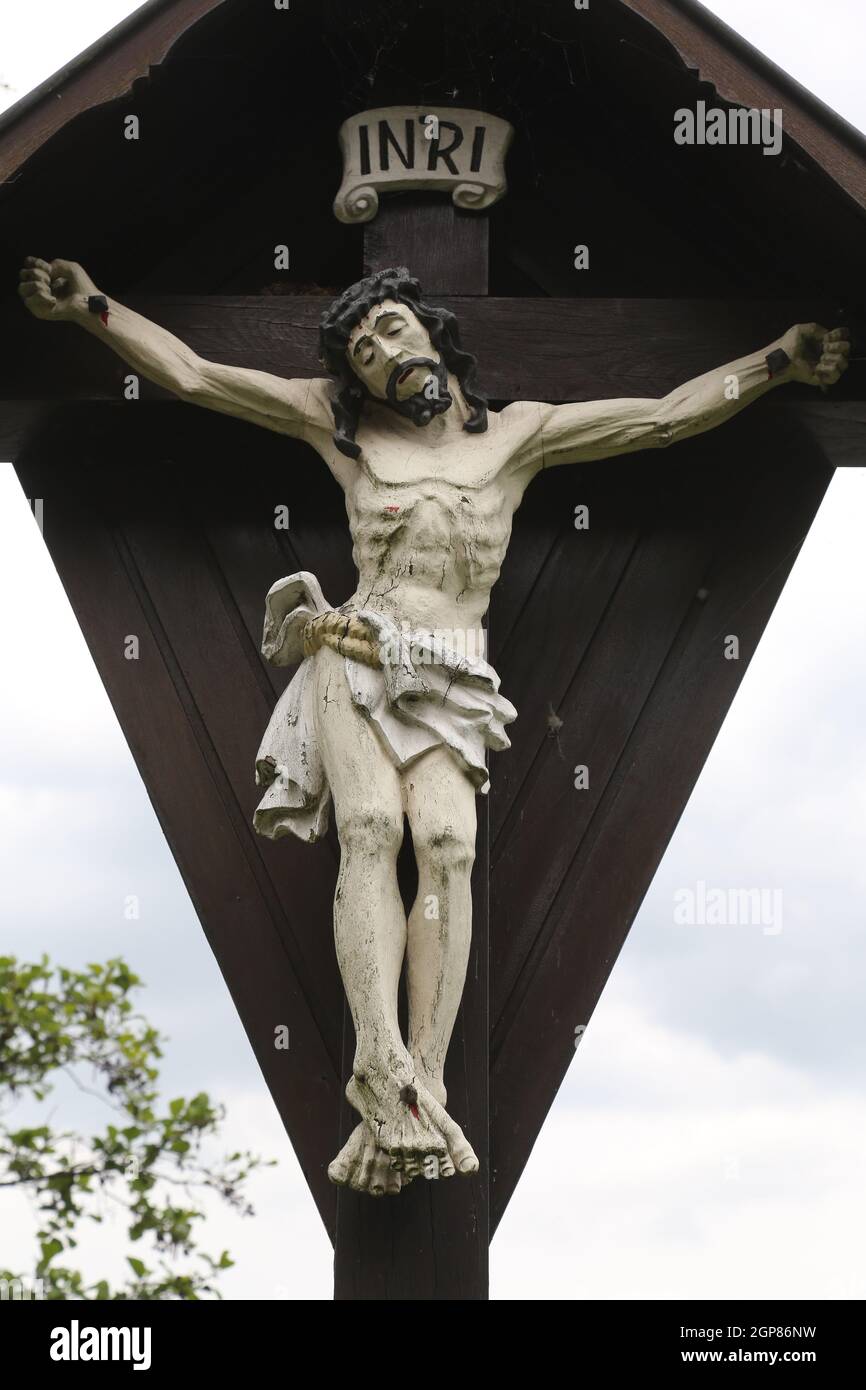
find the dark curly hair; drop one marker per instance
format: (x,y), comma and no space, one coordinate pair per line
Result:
(346,313)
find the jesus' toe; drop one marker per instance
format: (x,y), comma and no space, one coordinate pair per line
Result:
(363,1167)
(382,1180)
(392,1181)
(413,1137)
(460,1151)
(348,1160)
(362,1177)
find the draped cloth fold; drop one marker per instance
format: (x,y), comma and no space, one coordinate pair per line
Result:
(421,694)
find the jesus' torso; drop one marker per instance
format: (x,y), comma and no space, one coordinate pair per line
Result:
(430,527)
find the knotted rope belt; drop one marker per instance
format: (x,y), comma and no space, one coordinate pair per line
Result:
(343,633)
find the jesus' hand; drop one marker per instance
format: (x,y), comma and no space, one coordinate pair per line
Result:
(818,357)
(55,289)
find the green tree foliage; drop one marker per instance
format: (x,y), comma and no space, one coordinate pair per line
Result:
(152,1159)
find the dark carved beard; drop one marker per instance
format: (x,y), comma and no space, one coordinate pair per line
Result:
(417,407)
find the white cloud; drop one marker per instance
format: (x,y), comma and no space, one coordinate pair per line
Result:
(707,1178)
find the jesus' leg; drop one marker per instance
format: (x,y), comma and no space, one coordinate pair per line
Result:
(405,1120)
(440,804)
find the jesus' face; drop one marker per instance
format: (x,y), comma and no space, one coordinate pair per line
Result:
(391,352)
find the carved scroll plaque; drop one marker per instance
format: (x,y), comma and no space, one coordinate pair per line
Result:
(396,148)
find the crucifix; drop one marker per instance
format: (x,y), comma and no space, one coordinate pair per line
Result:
(394,705)
(608,638)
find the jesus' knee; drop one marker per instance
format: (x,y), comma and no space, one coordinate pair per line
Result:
(368,830)
(445,856)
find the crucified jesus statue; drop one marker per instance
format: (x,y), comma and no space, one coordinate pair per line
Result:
(393,706)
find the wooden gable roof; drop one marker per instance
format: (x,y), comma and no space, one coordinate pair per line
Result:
(714,52)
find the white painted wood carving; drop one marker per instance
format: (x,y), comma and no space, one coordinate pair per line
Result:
(396,148)
(393,706)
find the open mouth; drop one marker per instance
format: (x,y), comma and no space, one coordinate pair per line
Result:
(417,388)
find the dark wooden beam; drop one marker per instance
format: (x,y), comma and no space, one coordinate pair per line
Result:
(431,1243)
(838,428)
(446,248)
(528,349)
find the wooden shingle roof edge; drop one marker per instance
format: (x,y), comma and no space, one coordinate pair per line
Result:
(744,76)
(101,73)
(705,44)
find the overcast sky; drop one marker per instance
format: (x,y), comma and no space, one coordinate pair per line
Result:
(710,1139)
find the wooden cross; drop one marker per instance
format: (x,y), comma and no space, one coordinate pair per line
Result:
(609,643)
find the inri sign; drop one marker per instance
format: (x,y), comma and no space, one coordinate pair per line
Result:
(415,147)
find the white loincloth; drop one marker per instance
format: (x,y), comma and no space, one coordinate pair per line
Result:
(425,696)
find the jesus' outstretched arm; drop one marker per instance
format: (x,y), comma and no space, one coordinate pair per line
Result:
(581,432)
(63,291)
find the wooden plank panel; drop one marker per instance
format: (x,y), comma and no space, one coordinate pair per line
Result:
(194,803)
(840,434)
(629,635)
(579,578)
(234,708)
(216,648)
(254,554)
(515,583)
(602,889)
